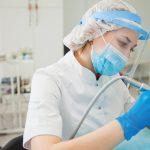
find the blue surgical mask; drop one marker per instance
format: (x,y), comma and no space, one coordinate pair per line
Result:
(109,62)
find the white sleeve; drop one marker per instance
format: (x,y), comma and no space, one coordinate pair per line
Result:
(43,116)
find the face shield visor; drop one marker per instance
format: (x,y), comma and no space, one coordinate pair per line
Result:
(125,19)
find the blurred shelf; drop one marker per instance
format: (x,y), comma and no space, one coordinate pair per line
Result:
(17,61)
(16,95)
(11,131)
(6,85)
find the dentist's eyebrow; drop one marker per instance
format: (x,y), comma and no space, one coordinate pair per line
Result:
(129,41)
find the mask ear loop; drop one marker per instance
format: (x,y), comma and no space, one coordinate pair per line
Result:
(92,49)
(101,35)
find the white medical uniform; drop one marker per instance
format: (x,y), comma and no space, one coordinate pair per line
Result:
(60,93)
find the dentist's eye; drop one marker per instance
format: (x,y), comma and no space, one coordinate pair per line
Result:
(122,44)
(132,50)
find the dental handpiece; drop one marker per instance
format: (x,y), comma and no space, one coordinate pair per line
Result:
(132,82)
(136,84)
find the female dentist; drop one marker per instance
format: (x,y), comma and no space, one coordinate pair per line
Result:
(100,48)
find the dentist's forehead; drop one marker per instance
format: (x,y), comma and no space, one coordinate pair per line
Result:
(126,34)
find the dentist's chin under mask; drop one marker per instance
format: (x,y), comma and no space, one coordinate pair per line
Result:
(109,62)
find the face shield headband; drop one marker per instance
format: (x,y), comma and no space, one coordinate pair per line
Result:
(121,19)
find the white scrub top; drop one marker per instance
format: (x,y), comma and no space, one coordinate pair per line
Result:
(60,93)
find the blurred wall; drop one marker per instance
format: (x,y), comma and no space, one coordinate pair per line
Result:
(45,38)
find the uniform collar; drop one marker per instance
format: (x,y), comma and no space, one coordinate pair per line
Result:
(87,75)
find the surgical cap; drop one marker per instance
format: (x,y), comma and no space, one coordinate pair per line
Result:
(102,18)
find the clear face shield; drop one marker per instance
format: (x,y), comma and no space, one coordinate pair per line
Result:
(133,54)
(138,66)
(126,19)
(138,56)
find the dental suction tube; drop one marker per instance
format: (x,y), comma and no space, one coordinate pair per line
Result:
(132,82)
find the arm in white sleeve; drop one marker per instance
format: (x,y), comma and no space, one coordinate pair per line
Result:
(43,116)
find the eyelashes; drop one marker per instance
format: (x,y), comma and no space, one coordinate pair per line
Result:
(124,45)
(132,50)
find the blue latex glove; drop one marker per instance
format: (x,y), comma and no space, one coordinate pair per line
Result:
(138,117)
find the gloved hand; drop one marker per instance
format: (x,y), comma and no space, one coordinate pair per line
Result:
(138,117)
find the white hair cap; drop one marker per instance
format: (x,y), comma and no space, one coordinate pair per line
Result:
(81,34)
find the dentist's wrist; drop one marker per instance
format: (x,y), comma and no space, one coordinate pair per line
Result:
(128,126)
